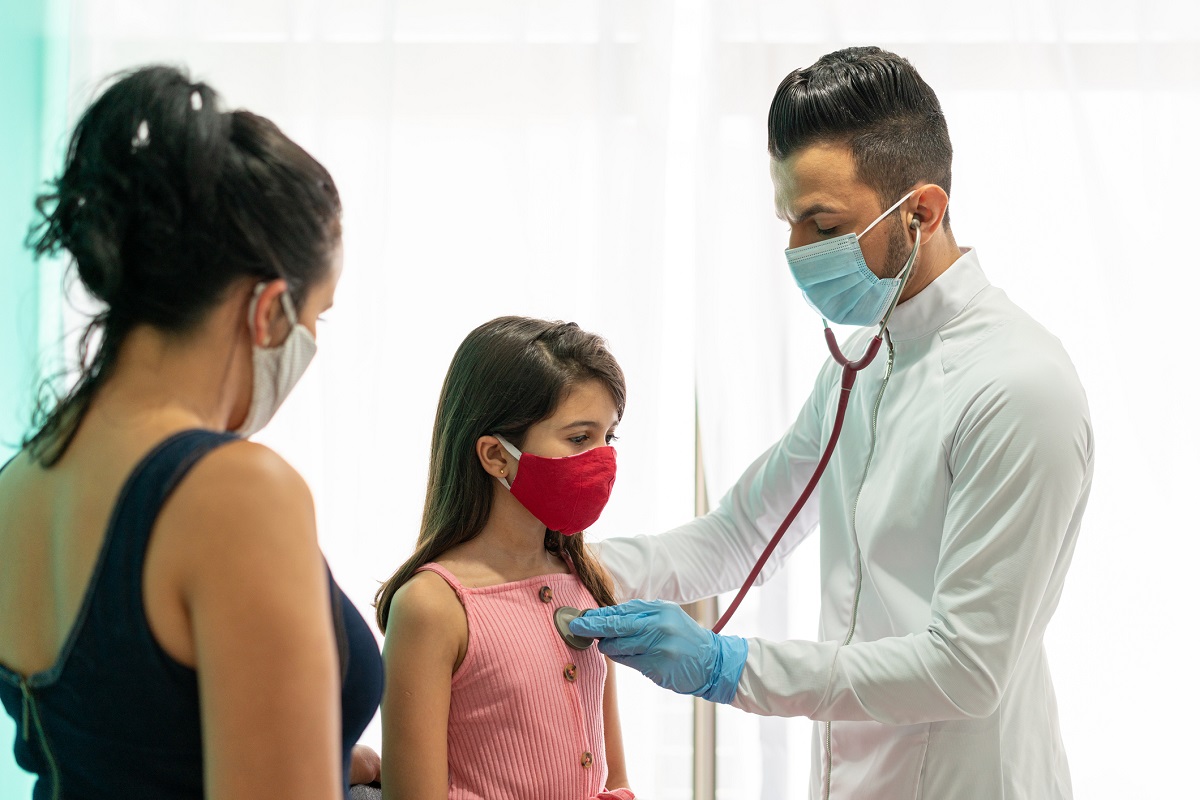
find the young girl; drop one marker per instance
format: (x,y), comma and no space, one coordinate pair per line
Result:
(483,698)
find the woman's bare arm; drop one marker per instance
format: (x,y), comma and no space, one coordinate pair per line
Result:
(240,533)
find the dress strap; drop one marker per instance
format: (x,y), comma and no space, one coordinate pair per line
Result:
(117,589)
(446,575)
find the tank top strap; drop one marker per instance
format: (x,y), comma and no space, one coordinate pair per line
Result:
(146,491)
(447,576)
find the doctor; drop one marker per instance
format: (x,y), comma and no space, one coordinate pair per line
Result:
(949,511)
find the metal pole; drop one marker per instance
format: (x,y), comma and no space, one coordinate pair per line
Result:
(704,713)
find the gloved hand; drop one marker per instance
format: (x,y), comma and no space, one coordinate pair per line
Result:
(662,642)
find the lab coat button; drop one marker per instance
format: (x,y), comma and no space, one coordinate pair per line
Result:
(586,760)
(545,594)
(570,672)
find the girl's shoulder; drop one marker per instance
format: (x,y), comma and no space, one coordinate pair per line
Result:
(427,592)
(427,625)
(427,605)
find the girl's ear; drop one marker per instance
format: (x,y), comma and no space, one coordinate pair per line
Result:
(495,459)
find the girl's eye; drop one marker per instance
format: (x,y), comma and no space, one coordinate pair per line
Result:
(610,438)
(580,439)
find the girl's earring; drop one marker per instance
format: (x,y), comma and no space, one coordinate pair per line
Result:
(503,470)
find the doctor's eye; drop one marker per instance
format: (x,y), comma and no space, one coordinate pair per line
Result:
(824,232)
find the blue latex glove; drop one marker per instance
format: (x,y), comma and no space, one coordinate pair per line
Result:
(662,642)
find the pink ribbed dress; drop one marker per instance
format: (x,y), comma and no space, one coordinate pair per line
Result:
(526,711)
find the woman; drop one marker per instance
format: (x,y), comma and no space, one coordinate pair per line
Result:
(168,626)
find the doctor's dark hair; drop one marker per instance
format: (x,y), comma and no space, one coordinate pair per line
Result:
(873,102)
(507,375)
(164,204)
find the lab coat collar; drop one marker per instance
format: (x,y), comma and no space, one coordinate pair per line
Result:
(940,301)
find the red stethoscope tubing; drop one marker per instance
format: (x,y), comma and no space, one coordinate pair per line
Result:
(850,370)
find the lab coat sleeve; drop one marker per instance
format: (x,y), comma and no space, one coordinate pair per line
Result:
(714,553)
(1020,458)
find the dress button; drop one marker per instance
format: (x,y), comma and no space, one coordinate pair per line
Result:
(545,594)
(569,672)
(586,759)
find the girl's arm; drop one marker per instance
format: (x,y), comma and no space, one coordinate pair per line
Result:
(425,640)
(617,779)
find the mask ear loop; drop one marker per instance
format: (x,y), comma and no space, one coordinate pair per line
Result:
(285,299)
(887,213)
(289,308)
(512,451)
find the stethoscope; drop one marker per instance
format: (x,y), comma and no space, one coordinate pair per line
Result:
(850,370)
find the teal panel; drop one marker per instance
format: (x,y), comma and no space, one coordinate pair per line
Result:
(33,61)
(32,93)
(22,47)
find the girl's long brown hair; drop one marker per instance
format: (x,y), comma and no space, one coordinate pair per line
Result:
(507,375)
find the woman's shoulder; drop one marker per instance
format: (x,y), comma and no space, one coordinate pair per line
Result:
(241,468)
(242,480)
(239,499)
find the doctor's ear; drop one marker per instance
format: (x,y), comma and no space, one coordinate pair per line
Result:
(932,202)
(494,458)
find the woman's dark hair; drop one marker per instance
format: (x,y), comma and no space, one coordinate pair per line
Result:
(507,375)
(164,202)
(875,103)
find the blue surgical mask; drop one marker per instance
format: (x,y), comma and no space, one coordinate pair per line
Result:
(837,282)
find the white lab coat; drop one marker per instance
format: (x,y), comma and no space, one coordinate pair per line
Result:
(959,500)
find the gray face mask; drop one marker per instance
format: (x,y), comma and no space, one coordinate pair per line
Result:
(277,370)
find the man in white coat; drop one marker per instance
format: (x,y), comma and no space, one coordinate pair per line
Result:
(950,508)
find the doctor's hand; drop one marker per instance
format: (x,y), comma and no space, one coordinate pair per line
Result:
(662,642)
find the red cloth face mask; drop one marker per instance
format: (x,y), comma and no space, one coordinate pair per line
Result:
(565,494)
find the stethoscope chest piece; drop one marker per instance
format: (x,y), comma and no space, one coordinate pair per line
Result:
(562,621)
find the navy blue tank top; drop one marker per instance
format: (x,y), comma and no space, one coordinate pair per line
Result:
(116,716)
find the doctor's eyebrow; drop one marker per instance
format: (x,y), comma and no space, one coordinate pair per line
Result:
(813,210)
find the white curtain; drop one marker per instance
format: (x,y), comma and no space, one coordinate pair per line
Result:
(605,162)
